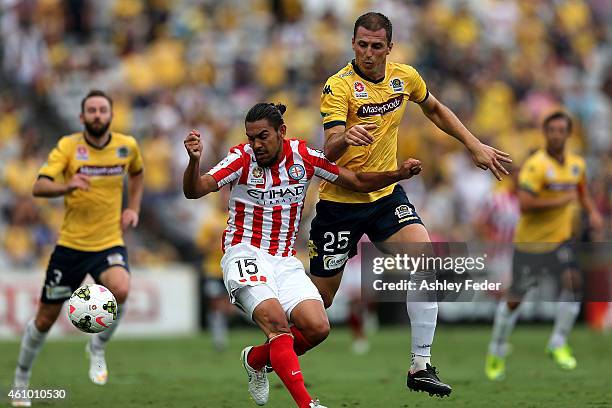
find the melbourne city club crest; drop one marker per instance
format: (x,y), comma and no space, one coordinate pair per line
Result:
(296,172)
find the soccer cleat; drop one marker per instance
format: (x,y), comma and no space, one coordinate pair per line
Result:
(495,367)
(98,374)
(563,357)
(259,387)
(315,404)
(428,381)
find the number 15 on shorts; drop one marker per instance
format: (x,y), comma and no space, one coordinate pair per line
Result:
(248,271)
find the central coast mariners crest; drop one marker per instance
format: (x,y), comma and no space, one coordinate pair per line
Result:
(122,152)
(397,85)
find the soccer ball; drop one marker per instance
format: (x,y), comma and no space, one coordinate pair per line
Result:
(92,308)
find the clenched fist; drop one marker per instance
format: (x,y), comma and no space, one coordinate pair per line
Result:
(193,145)
(409,168)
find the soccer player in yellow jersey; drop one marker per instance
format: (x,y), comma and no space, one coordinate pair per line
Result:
(87,169)
(552,181)
(362,106)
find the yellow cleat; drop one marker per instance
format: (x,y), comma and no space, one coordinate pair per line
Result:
(495,367)
(563,357)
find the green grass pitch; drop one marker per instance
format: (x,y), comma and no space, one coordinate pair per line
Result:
(187,372)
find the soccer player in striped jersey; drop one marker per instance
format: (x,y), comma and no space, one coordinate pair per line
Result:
(269,177)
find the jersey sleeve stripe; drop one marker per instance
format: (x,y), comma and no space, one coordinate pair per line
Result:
(333,123)
(303,150)
(425,98)
(322,167)
(246,166)
(227,169)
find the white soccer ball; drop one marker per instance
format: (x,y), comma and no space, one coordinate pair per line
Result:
(92,308)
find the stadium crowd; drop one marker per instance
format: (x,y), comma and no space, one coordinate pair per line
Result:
(171,66)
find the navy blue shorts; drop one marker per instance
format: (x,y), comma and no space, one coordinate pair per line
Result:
(68,267)
(338,227)
(528,269)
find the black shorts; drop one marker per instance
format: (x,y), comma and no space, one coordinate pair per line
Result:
(214,288)
(68,267)
(529,268)
(338,227)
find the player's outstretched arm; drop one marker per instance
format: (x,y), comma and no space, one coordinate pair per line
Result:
(46,187)
(368,182)
(530,202)
(194,184)
(483,156)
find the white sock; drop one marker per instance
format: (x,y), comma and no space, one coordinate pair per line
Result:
(567,312)
(31,344)
(423,317)
(504,322)
(98,341)
(419,363)
(217,323)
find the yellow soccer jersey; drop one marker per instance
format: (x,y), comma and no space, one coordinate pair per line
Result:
(92,218)
(350,99)
(207,241)
(547,178)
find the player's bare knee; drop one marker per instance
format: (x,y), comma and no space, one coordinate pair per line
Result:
(120,293)
(271,320)
(316,332)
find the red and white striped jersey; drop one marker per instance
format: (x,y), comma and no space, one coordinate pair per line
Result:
(501,213)
(265,205)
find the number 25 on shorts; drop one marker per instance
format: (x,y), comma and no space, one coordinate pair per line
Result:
(248,271)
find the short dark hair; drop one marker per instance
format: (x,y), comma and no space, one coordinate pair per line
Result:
(373,21)
(95,92)
(558,115)
(270,111)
